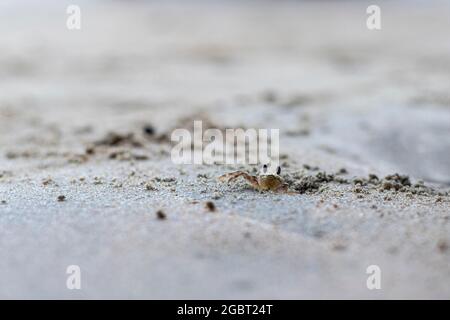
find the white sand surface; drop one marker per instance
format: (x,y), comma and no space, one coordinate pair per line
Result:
(372,102)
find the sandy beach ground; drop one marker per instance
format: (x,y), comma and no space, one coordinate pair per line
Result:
(349,103)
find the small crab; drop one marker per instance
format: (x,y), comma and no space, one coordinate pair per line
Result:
(265,181)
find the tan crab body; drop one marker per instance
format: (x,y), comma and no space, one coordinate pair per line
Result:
(269,182)
(262,182)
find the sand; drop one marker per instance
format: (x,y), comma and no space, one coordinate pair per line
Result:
(372,102)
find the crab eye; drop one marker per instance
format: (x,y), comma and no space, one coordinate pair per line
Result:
(265,168)
(278,170)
